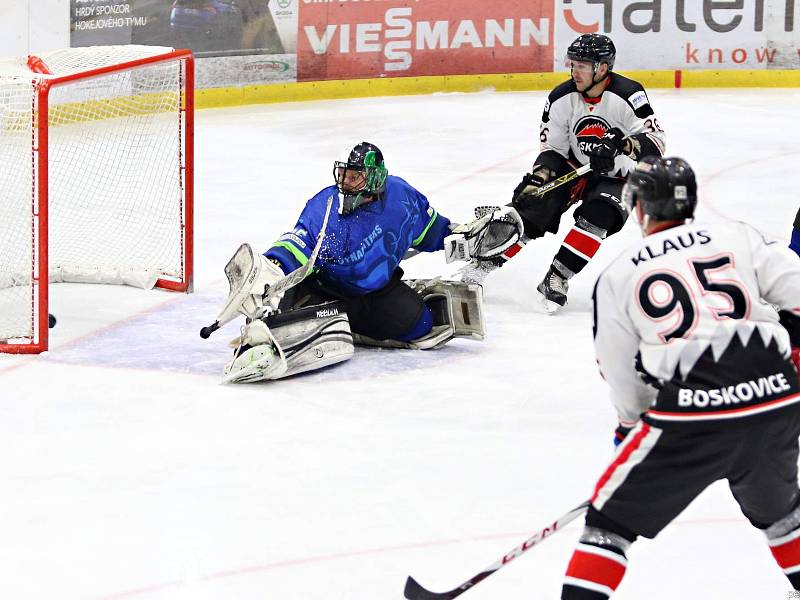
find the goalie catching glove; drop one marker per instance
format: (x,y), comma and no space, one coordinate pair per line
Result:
(493,231)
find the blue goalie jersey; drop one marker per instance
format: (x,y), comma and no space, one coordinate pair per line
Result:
(360,251)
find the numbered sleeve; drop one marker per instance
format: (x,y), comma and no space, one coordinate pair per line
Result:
(554,129)
(616,347)
(643,127)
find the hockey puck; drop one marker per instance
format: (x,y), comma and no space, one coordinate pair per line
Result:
(51,321)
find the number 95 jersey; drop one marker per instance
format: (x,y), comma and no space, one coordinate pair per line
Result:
(686,327)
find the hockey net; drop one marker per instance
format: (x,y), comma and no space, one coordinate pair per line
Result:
(96,177)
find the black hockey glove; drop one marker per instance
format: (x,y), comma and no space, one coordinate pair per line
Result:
(620,433)
(602,154)
(538,176)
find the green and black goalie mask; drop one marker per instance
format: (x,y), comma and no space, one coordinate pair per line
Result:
(361,178)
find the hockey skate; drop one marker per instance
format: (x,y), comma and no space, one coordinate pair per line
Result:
(553,289)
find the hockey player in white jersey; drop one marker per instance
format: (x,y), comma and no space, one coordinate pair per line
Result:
(600,118)
(687,335)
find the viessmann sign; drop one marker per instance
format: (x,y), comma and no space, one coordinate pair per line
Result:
(342,39)
(357,38)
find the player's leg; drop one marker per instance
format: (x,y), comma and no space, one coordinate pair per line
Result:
(291,342)
(602,214)
(599,561)
(393,312)
(543,214)
(656,473)
(310,331)
(416,314)
(795,243)
(764,483)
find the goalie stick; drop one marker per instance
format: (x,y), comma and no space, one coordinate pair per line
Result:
(414,591)
(477,270)
(280,286)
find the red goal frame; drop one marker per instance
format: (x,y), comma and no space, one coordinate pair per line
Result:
(40,189)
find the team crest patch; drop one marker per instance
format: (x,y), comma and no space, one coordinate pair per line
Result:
(588,132)
(638,100)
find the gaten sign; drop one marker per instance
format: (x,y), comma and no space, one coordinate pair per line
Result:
(346,40)
(686,34)
(720,16)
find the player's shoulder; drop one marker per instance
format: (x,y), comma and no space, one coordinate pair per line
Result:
(562,89)
(745,231)
(632,93)
(318,203)
(398,184)
(321,197)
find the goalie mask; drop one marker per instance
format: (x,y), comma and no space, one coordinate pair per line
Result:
(361,178)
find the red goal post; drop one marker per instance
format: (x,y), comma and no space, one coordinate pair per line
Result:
(96,177)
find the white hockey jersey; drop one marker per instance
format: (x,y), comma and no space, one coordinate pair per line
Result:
(692,310)
(572,123)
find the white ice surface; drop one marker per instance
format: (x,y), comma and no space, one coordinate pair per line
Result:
(128,471)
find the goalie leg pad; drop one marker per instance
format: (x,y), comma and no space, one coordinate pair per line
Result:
(457,312)
(457,304)
(290,343)
(457,307)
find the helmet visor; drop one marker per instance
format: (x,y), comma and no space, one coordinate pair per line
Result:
(579,66)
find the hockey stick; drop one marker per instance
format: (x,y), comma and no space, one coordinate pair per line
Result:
(414,591)
(532,190)
(277,288)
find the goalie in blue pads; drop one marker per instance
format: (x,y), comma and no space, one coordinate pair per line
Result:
(355,293)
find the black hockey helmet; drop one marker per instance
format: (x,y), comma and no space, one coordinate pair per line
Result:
(593,47)
(665,188)
(363,175)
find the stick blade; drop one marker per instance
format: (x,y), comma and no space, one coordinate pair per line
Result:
(414,591)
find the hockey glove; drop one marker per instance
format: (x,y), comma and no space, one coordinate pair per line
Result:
(602,154)
(539,175)
(620,433)
(494,230)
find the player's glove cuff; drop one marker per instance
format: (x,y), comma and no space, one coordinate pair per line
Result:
(620,433)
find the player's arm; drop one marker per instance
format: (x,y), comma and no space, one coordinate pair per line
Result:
(430,228)
(778,275)
(554,142)
(777,271)
(645,135)
(616,347)
(795,243)
(293,249)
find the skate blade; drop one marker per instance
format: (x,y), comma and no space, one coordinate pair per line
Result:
(548,306)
